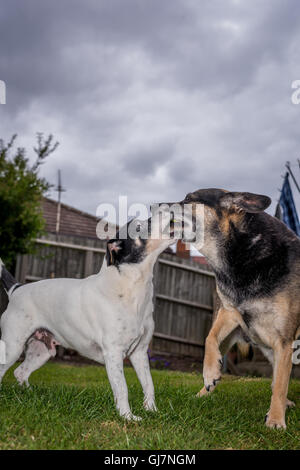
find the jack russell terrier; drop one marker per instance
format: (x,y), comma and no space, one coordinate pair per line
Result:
(105,317)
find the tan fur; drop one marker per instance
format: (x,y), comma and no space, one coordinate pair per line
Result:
(226,322)
(244,348)
(282,370)
(276,321)
(229,218)
(152,245)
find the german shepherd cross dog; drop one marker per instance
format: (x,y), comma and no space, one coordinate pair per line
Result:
(256,261)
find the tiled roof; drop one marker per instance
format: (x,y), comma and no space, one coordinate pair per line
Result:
(72,221)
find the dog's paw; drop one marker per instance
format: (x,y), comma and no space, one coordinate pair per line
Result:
(150,405)
(202,393)
(130,416)
(212,374)
(211,379)
(274,423)
(289,403)
(135,418)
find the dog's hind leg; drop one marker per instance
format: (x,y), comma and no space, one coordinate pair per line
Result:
(37,354)
(226,322)
(39,348)
(15,330)
(13,349)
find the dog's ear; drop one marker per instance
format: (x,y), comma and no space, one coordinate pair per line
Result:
(112,251)
(247,202)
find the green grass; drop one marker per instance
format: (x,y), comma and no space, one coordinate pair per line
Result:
(72,408)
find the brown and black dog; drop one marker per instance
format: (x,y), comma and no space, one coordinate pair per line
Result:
(256,261)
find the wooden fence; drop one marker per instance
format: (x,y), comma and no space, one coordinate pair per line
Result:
(184,290)
(183,306)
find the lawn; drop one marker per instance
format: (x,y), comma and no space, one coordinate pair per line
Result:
(72,408)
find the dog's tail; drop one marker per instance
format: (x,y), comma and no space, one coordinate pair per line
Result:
(244,348)
(8,281)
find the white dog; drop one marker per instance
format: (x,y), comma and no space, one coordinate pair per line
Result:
(105,317)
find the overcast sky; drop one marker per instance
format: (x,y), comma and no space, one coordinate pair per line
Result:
(153,99)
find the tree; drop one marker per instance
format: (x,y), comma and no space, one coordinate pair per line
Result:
(21,191)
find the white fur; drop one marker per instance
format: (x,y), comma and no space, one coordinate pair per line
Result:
(105,317)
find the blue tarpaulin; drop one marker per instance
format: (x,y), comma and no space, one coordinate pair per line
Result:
(289,211)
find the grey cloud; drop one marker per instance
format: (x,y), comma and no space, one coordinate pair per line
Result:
(153,98)
(143,161)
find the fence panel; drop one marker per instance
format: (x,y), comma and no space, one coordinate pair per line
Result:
(183,307)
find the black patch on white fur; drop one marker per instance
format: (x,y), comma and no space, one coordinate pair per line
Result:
(128,252)
(126,249)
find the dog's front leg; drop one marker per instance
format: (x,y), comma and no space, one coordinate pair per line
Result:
(140,361)
(225,323)
(115,372)
(282,370)
(269,354)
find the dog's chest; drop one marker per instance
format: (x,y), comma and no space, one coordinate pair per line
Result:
(136,317)
(262,317)
(261,321)
(137,301)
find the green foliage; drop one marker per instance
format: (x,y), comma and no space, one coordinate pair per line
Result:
(21,190)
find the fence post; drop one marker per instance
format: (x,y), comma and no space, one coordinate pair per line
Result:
(22,268)
(88,264)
